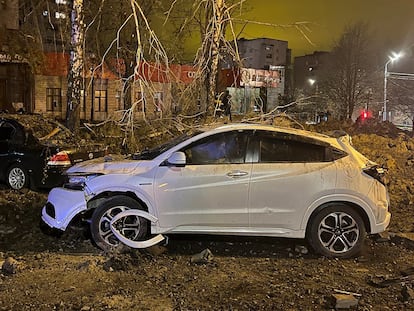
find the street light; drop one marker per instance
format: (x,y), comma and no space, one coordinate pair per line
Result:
(392,58)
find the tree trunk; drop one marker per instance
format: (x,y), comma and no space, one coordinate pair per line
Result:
(75,67)
(218,29)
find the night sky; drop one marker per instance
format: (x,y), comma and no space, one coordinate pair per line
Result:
(391,20)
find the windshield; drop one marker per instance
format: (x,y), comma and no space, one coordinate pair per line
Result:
(149,154)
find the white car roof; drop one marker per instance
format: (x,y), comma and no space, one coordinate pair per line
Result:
(287,130)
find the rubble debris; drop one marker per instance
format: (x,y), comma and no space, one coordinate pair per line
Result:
(404,238)
(339,291)
(386,280)
(345,301)
(156,250)
(11,266)
(203,257)
(383,237)
(407,293)
(301,249)
(408,271)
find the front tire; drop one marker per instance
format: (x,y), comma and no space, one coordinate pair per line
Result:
(17,177)
(132,227)
(337,231)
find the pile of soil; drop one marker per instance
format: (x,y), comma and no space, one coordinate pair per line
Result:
(43,272)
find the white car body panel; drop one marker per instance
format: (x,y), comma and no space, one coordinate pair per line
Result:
(271,207)
(202,195)
(240,199)
(70,208)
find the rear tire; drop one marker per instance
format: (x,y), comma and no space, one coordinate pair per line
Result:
(17,177)
(337,231)
(132,227)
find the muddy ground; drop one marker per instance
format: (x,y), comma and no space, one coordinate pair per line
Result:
(42,272)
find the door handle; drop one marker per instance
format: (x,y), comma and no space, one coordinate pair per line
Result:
(237,174)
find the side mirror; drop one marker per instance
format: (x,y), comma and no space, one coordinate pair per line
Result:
(177,159)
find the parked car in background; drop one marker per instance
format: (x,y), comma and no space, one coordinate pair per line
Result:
(27,162)
(238,179)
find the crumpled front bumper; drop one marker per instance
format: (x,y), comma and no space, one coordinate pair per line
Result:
(62,206)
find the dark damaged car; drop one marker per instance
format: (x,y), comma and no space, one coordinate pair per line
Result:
(27,162)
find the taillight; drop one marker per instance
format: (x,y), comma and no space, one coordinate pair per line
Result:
(377,173)
(61,158)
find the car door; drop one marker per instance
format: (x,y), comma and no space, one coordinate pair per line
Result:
(290,173)
(210,193)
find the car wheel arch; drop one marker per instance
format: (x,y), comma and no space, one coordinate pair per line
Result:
(96,200)
(360,210)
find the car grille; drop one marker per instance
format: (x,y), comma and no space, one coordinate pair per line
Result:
(50,209)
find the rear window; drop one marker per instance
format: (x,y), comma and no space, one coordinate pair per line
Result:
(283,147)
(278,150)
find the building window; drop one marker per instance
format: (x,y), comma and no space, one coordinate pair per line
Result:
(158,101)
(101,101)
(139,100)
(101,95)
(83,100)
(53,99)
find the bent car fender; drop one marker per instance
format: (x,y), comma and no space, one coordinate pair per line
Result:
(135,244)
(143,189)
(67,203)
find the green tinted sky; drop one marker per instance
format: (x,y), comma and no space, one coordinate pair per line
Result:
(391,20)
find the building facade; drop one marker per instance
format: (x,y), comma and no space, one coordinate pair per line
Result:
(265,75)
(306,70)
(264,53)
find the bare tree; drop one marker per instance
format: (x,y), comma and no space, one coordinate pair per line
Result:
(349,74)
(76,67)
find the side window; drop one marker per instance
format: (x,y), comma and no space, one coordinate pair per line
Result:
(289,149)
(222,148)
(6,132)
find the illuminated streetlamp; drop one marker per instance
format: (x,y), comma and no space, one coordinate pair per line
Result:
(392,58)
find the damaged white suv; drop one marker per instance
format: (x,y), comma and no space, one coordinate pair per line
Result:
(238,179)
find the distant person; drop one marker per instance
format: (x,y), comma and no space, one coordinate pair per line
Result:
(226,104)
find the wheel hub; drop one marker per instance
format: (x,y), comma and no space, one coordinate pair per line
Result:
(338,232)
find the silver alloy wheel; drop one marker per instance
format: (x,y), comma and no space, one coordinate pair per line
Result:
(338,232)
(128,226)
(17,178)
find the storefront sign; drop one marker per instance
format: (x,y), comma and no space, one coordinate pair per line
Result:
(7,58)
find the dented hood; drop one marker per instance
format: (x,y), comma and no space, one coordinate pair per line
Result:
(109,165)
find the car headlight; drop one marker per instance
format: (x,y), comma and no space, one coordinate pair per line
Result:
(79,181)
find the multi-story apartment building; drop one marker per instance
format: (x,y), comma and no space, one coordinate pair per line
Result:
(264,75)
(306,70)
(264,53)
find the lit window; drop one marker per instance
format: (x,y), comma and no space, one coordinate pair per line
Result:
(60,15)
(60,1)
(45,13)
(53,99)
(101,95)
